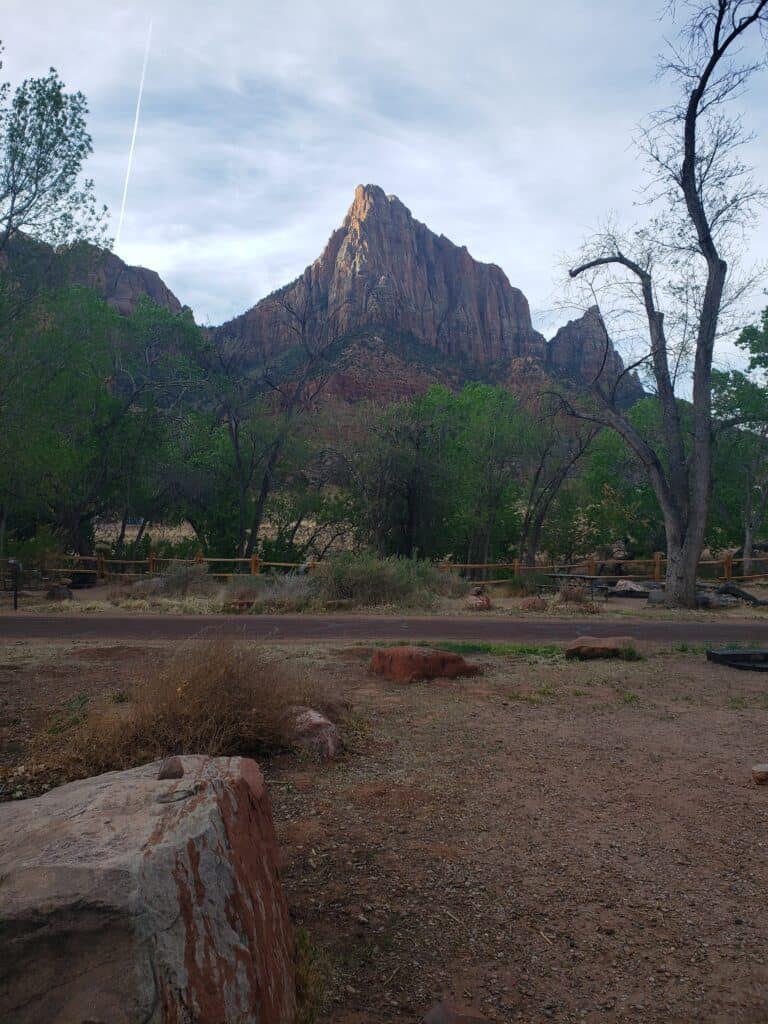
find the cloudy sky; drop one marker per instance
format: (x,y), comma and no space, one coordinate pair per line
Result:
(504,125)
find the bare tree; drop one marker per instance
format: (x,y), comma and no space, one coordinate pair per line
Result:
(677,268)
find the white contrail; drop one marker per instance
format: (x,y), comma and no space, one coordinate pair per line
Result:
(133,137)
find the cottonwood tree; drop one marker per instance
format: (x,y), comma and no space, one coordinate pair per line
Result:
(44,143)
(677,268)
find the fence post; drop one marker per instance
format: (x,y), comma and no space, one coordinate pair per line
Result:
(657,557)
(312,565)
(152,563)
(199,557)
(591,567)
(255,565)
(101,572)
(728,566)
(516,567)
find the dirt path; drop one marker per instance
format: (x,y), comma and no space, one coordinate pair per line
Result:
(550,842)
(410,629)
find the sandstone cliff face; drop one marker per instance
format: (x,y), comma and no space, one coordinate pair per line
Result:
(382,268)
(582,352)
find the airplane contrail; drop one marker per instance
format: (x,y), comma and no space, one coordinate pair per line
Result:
(133,136)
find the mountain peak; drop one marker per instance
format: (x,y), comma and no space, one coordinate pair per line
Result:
(372,200)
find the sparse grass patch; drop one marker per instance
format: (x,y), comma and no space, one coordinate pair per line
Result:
(73,713)
(628,697)
(548,651)
(630,654)
(311,972)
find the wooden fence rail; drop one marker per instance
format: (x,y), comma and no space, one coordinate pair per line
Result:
(722,569)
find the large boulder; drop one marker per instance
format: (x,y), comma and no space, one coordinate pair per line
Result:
(126,898)
(409,664)
(585,648)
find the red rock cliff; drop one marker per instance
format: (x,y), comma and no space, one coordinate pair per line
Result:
(383,268)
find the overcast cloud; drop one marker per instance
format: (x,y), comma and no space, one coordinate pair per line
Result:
(504,125)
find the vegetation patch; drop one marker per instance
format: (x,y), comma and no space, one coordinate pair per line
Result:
(218,697)
(548,651)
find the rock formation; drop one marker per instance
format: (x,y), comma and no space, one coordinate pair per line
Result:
(120,284)
(384,277)
(383,268)
(129,898)
(582,352)
(115,281)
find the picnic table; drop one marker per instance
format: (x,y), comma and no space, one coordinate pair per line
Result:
(594,584)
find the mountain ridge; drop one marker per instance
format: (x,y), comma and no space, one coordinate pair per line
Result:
(383,269)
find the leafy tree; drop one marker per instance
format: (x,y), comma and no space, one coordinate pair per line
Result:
(44,143)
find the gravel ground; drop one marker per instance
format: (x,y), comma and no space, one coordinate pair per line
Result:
(546,842)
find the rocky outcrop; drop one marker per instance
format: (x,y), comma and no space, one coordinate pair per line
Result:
(120,284)
(384,274)
(127,898)
(115,281)
(582,352)
(383,268)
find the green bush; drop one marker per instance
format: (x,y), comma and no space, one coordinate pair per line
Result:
(369,581)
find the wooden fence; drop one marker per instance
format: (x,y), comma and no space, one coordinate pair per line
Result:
(106,569)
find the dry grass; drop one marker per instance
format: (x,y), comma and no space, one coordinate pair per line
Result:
(218,697)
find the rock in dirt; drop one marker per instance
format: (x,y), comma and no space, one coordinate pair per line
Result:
(126,899)
(586,648)
(533,604)
(409,664)
(760,774)
(311,729)
(478,603)
(451,1013)
(630,587)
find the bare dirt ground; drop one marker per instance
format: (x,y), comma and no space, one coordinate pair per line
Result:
(546,842)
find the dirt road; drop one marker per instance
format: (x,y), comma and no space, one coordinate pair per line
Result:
(22,626)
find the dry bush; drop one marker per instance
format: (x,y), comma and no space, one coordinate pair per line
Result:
(218,697)
(572,595)
(273,593)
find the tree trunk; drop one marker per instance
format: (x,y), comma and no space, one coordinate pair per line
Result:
(3,521)
(749,544)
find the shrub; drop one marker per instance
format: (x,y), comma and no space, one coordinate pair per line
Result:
(570,594)
(367,580)
(181,580)
(218,697)
(288,592)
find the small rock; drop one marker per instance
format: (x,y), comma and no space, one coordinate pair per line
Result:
(533,604)
(309,728)
(588,647)
(760,774)
(451,1013)
(478,603)
(171,768)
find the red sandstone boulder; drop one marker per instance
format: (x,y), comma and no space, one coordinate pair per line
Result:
(478,603)
(587,647)
(312,730)
(533,604)
(126,898)
(408,664)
